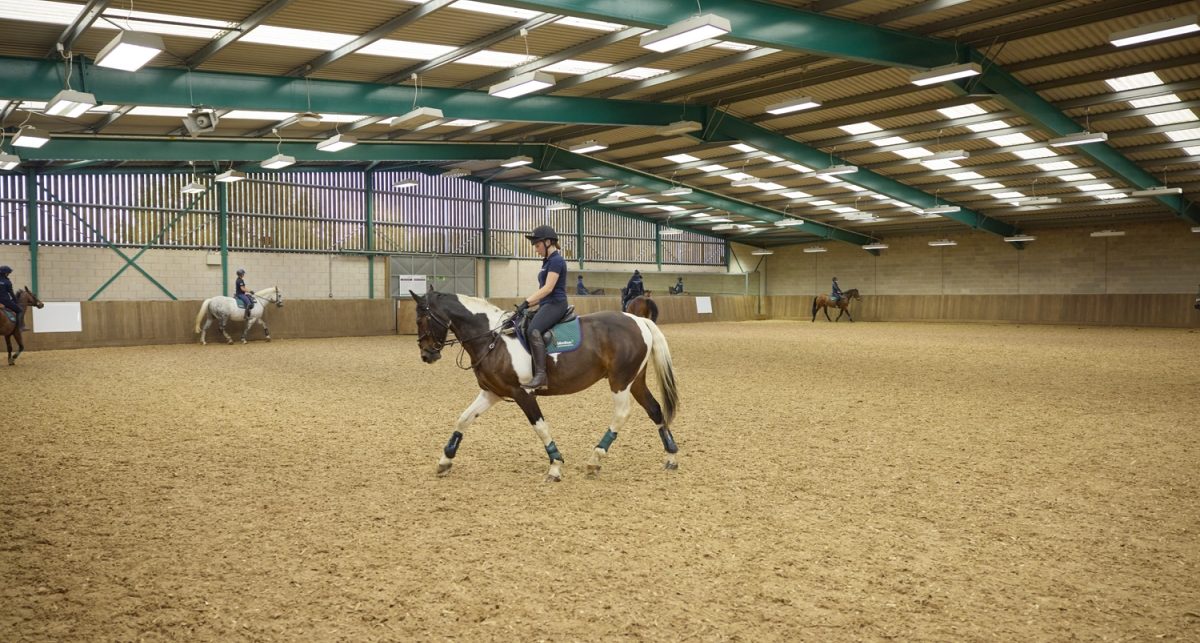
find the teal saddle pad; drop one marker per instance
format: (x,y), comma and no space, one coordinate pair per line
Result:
(565,337)
(12,317)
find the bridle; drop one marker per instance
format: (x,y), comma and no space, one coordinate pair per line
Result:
(423,310)
(277,299)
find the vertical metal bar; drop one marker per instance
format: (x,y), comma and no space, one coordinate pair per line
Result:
(658,246)
(223,233)
(579,234)
(31,224)
(369,230)
(487,239)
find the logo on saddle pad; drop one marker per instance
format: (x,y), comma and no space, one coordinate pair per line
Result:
(564,338)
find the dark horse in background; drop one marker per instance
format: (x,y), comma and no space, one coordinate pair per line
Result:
(643,306)
(10,328)
(823,302)
(613,346)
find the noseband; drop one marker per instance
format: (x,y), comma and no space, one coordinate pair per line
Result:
(438,345)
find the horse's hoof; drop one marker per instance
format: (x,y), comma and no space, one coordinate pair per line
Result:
(444,469)
(268,339)
(670,466)
(593,471)
(550,478)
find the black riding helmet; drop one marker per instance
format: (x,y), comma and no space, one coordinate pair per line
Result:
(5,270)
(542,233)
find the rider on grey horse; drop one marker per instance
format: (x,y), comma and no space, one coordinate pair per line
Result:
(241,293)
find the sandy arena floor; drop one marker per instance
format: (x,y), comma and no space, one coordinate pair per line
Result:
(837,482)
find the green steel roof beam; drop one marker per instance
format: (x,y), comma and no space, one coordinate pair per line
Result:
(767,25)
(765,139)
(33,79)
(1036,109)
(559,159)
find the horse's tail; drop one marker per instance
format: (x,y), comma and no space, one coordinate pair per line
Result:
(652,308)
(200,315)
(814,310)
(666,376)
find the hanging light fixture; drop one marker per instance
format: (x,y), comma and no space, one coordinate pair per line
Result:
(834,170)
(678,127)
(943,242)
(130,50)
(1156,31)
(517,161)
(280,160)
(230,176)
(1020,238)
(588,146)
(30,136)
(337,142)
(405,184)
(1080,138)
(686,32)
(679,190)
(814,249)
(945,73)
(875,246)
(70,103)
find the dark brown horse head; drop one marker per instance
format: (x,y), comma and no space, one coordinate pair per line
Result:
(431,327)
(853,294)
(25,297)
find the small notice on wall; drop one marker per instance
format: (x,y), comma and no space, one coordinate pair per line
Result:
(415,283)
(704,305)
(58,317)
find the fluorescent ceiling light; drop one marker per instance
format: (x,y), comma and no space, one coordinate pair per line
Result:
(677,191)
(790,106)
(942,209)
(517,161)
(1020,238)
(686,32)
(9,161)
(30,136)
(875,246)
(587,146)
(678,127)
(945,73)
(256,115)
(130,50)
(195,187)
(744,183)
(1155,31)
(1108,233)
(1161,190)
(784,223)
(1094,187)
(943,242)
(417,117)
(584,23)
(1081,138)
(337,142)
(811,249)
(230,176)
(406,183)
(70,103)
(837,169)
(278,161)
(762,252)
(555,207)
(1040,200)
(522,84)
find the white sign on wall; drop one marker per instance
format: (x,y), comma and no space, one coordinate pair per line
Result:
(415,283)
(58,317)
(704,305)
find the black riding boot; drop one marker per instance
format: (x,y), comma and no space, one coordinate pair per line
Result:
(537,350)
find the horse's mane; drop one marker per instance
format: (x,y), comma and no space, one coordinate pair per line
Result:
(479,301)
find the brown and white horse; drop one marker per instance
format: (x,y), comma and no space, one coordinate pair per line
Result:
(615,346)
(643,306)
(25,299)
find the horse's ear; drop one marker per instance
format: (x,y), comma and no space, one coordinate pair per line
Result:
(416,297)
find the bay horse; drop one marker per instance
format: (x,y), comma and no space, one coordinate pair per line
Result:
(823,302)
(643,306)
(613,345)
(12,328)
(223,309)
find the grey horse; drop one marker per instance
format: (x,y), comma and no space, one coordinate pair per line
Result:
(224,309)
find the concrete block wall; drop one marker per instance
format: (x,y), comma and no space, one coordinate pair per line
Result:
(516,277)
(74,274)
(1160,258)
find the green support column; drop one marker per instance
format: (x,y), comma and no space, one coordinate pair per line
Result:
(223,233)
(579,233)
(658,246)
(369,192)
(487,240)
(31,225)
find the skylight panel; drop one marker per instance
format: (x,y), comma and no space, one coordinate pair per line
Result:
(854,188)
(1035,153)
(799,168)
(823,203)
(986,127)
(55,13)
(1136,81)
(161,23)
(298,38)
(713,168)
(1155,101)
(962,111)
(737,176)
(640,199)
(153,110)
(1172,117)
(742,147)
(1078,177)
(405,49)
(464,122)
(639,73)
(891,140)
(574,67)
(733,46)
(939,164)
(669,208)
(1008,195)
(1094,187)
(495,10)
(965,176)
(828,179)
(681,158)
(1192,151)
(774,159)
(913,152)
(1184,134)
(342,118)
(253,115)
(584,23)
(768,185)
(488,58)
(988,186)
(1056,165)
(1010,139)
(32,105)
(843,209)
(860,128)
(797,194)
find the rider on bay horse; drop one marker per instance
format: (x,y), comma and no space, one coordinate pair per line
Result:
(8,298)
(836,293)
